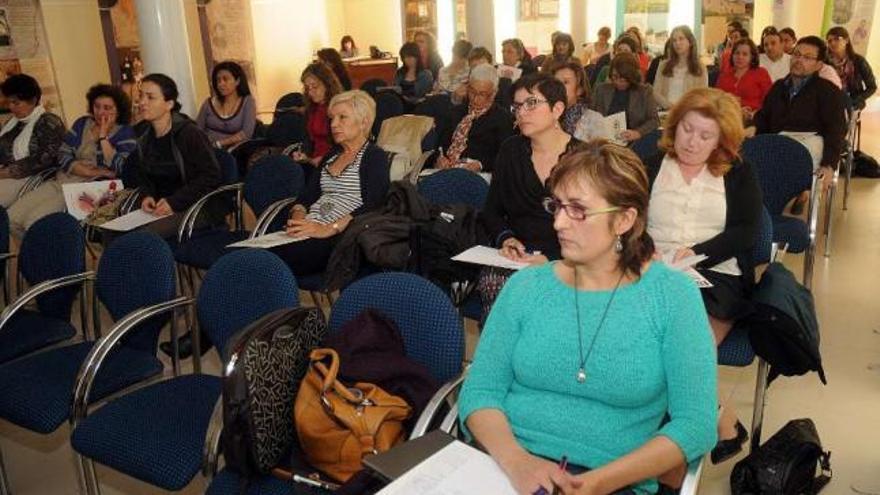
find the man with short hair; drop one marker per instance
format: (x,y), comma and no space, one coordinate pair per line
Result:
(803,102)
(774,58)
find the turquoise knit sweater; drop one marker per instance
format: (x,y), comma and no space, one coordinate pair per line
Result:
(654,354)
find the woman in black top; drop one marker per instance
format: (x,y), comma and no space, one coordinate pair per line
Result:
(175,165)
(514,215)
(854,71)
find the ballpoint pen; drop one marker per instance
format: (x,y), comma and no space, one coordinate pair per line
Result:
(324,485)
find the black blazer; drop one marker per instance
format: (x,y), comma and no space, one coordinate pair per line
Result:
(486,134)
(744,203)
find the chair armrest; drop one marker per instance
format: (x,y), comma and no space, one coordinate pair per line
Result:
(211,451)
(184,231)
(92,364)
(269,216)
(42,288)
(433,408)
(691,482)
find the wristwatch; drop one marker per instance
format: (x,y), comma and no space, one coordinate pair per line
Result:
(101,138)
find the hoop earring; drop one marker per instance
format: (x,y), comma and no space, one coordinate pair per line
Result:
(618,244)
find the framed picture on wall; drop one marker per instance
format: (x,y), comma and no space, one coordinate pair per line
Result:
(530,10)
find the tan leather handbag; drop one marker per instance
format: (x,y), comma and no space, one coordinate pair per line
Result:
(339,425)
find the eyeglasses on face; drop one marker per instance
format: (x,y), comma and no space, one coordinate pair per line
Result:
(527,106)
(574,211)
(801,56)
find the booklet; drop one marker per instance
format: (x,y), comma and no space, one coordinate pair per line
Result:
(456,469)
(686,266)
(509,72)
(267,241)
(614,125)
(489,256)
(82,198)
(131,221)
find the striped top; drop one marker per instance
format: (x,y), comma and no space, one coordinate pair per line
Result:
(341,194)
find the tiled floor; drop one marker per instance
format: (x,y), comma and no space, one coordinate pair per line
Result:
(846,411)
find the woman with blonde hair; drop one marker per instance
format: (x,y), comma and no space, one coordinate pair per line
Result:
(706,201)
(682,70)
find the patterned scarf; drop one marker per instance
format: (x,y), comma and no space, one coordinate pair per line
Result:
(459,138)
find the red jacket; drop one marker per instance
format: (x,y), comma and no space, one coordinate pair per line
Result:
(318,128)
(751,88)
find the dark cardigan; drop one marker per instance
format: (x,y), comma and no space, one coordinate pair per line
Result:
(486,134)
(863,85)
(373,177)
(744,203)
(817,107)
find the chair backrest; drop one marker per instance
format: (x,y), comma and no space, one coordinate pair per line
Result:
(761,252)
(240,288)
(430,326)
(135,271)
(272,178)
(228,166)
(371,86)
(53,247)
(646,146)
(287,126)
(388,104)
(783,167)
(4,239)
(454,185)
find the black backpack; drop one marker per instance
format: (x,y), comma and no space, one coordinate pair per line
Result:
(784,330)
(265,363)
(864,165)
(450,230)
(785,464)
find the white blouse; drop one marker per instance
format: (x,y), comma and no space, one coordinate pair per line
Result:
(682,214)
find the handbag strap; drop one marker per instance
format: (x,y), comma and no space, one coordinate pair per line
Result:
(329,375)
(823,479)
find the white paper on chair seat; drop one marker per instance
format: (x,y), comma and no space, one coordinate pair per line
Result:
(485,255)
(131,221)
(457,469)
(267,241)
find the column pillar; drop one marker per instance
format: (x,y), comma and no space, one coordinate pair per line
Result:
(165,45)
(579,24)
(481,24)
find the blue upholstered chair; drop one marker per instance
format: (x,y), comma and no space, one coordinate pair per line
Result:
(156,434)
(736,349)
(136,271)
(646,146)
(52,261)
(432,335)
(785,170)
(273,183)
(5,255)
(388,104)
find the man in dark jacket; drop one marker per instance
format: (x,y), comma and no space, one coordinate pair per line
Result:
(804,102)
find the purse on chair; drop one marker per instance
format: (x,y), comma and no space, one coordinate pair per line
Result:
(338,425)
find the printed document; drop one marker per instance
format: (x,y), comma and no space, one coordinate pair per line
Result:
(131,221)
(485,255)
(267,241)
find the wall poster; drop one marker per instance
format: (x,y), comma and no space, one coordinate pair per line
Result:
(857,16)
(231,35)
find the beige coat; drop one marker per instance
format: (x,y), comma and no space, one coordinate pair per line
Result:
(661,85)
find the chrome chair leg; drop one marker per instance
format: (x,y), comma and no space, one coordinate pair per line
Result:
(758,409)
(829,210)
(4,480)
(93,477)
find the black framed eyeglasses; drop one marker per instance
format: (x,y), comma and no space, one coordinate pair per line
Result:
(574,211)
(528,105)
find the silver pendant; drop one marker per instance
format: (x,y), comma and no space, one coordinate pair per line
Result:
(581,376)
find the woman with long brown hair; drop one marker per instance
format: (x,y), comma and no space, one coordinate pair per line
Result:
(682,70)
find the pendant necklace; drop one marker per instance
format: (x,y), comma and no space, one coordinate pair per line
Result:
(582,372)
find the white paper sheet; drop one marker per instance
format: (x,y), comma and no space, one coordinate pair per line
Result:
(509,72)
(82,198)
(131,221)
(485,255)
(267,241)
(457,469)
(686,266)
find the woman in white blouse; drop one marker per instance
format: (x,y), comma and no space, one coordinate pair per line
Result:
(682,70)
(706,202)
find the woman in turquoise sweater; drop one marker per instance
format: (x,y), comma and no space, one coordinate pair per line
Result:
(613,367)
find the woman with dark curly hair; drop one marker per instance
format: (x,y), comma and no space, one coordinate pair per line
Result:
(96,147)
(230,115)
(745,79)
(29,141)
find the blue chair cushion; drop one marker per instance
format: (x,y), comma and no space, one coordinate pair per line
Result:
(203,250)
(312,283)
(29,331)
(36,392)
(154,434)
(736,350)
(792,231)
(228,483)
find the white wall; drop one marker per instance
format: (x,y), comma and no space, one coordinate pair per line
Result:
(372,22)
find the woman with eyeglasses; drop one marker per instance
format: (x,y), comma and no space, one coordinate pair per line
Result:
(745,78)
(481,125)
(706,201)
(626,93)
(854,70)
(514,215)
(570,391)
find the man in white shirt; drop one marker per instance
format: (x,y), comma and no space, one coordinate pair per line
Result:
(774,58)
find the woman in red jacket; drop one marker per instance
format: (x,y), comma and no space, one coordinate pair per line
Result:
(745,79)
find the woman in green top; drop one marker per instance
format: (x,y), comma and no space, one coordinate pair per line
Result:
(613,367)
